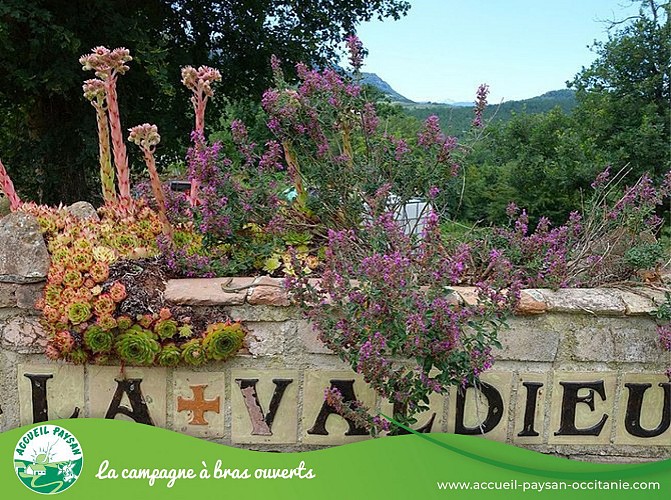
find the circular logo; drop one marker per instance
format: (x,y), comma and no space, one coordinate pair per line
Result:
(48,459)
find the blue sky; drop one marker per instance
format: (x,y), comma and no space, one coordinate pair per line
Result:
(443,49)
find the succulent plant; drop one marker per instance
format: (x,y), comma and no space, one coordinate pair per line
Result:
(170,355)
(73,279)
(78,312)
(166,328)
(94,91)
(104,305)
(108,64)
(98,340)
(99,272)
(77,356)
(117,291)
(137,347)
(223,340)
(124,323)
(7,187)
(200,83)
(193,352)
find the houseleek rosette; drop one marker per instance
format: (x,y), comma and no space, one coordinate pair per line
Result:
(98,340)
(137,346)
(223,340)
(170,355)
(166,328)
(193,352)
(78,312)
(77,356)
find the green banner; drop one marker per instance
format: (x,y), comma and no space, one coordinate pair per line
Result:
(101,459)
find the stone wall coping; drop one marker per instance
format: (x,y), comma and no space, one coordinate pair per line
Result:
(268,291)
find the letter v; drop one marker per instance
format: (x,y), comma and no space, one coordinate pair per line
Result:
(261,425)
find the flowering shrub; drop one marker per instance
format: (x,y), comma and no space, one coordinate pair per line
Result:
(610,242)
(384,306)
(330,132)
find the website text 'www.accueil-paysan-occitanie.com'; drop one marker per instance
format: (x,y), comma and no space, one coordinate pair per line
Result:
(548,485)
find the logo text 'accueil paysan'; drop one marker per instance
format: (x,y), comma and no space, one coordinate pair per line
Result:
(48,459)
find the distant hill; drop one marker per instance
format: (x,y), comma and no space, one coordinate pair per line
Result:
(375,81)
(455,120)
(456,117)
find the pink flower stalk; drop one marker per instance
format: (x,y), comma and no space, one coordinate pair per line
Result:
(94,91)
(8,188)
(146,136)
(200,83)
(480,104)
(107,66)
(356,52)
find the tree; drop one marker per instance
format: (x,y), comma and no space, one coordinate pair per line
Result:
(541,162)
(47,130)
(625,95)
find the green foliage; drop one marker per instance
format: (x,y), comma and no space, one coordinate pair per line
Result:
(644,256)
(40,85)
(663,312)
(624,96)
(540,162)
(193,353)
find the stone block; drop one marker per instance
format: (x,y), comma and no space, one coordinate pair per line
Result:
(528,339)
(266,338)
(64,388)
(8,295)
(585,301)
(207,292)
(641,303)
(633,340)
(268,291)
(23,334)
(198,403)
(531,302)
(264,406)
(23,253)
(138,391)
(310,338)
(468,294)
(27,295)
(83,210)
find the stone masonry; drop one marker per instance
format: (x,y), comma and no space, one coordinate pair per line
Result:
(579,374)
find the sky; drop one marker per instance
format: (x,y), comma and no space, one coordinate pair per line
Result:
(443,49)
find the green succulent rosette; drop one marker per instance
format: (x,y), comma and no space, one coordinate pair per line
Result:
(185,331)
(78,312)
(223,340)
(98,340)
(137,347)
(193,352)
(166,328)
(77,356)
(170,355)
(124,323)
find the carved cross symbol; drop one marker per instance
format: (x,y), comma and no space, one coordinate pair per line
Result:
(198,405)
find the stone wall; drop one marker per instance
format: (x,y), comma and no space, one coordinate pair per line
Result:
(580,373)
